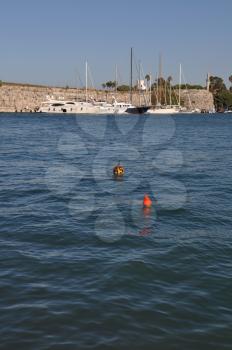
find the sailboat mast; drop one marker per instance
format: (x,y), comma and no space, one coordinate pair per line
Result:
(179,83)
(131,74)
(165,92)
(116,78)
(157,89)
(139,83)
(86,81)
(159,79)
(150,89)
(170,93)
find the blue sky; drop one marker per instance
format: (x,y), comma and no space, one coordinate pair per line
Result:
(47,42)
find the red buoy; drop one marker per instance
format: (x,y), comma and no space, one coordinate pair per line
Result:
(147,202)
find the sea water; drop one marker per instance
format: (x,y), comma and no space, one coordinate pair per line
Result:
(83,265)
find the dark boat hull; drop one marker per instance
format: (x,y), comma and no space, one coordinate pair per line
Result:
(138,110)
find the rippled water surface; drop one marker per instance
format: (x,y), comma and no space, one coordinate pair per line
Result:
(83,265)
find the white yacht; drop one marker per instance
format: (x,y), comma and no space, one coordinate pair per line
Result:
(164,110)
(54,106)
(103,107)
(76,107)
(61,106)
(121,107)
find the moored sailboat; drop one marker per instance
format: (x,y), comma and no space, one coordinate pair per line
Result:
(134,109)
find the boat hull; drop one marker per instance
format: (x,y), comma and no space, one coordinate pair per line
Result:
(137,110)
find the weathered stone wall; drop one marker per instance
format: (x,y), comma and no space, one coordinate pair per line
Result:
(28,98)
(197,99)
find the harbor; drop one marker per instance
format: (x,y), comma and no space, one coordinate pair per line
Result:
(29,98)
(115,175)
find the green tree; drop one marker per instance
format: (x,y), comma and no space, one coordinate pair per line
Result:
(110,84)
(222,97)
(169,79)
(123,88)
(113,84)
(216,85)
(161,81)
(147,78)
(223,100)
(188,86)
(230,79)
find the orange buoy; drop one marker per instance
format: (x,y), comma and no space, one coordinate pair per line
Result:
(147,202)
(118,170)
